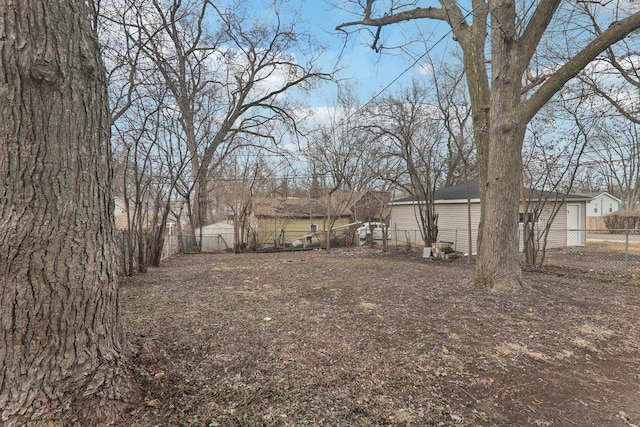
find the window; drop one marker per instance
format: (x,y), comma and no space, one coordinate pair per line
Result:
(595,208)
(610,207)
(313,228)
(531,217)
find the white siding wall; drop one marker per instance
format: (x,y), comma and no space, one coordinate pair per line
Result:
(602,205)
(557,237)
(453,225)
(216,237)
(403,226)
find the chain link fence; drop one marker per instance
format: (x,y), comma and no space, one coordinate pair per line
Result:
(128,258)
(255,241)
(171,246)
(609,253)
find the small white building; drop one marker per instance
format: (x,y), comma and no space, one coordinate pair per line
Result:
(567,228)
(601,203)
(216,237)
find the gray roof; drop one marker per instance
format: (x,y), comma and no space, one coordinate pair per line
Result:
(459,192)
(591,194)
(594,194)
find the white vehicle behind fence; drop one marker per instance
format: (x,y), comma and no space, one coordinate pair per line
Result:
(367,229)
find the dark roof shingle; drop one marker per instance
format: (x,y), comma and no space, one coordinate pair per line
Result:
(459,192)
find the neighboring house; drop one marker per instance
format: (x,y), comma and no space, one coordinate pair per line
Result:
(371,206)
(601,203)
(278,221)
(216,237)
(120,213)
(453,218)
(122,219)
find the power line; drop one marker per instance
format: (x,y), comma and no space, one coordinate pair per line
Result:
(420,58)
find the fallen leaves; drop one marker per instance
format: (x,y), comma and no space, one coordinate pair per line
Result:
(153,403)
(376,339)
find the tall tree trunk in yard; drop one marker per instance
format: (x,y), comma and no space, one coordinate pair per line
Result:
(62,357)
(500,175)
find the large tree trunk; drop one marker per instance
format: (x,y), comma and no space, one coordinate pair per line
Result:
(498,255)
(62,345)
(499,159)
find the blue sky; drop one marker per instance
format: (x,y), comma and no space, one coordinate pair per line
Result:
(368,71)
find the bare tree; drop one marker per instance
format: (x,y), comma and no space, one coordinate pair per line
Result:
(227,76)
(614,79)
(151,159)
(62,356)
(170,162)
(134,151)
(411,130)
(338,155)
(614,152)
(455,109)
(615,76)
(588,179)
(148,161)
(245,180)
(496,85)
(550,168)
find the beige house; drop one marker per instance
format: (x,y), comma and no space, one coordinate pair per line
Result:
(453,208)
(281,221)
(122,218)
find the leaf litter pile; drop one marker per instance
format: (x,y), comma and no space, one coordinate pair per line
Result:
(362,337)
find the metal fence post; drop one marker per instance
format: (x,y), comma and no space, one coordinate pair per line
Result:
(626,252)
(455,247)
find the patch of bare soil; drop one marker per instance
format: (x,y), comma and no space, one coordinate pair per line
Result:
(361,337)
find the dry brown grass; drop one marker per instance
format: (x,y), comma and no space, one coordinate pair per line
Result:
(365,338)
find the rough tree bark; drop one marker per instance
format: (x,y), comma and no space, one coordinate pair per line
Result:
(62,357)
(498,253)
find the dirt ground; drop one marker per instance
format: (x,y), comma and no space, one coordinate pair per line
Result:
(361,337)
